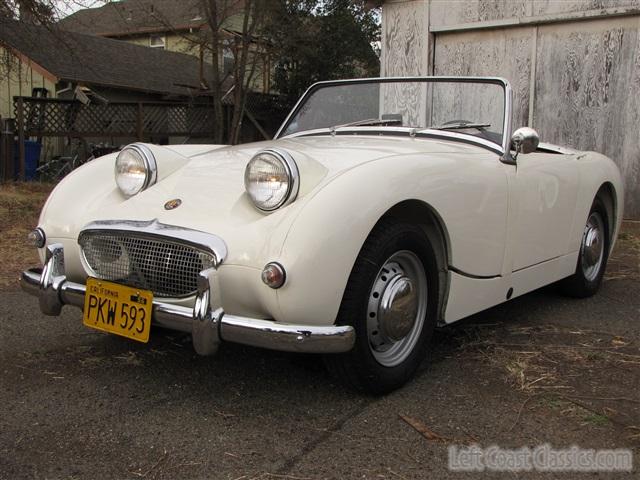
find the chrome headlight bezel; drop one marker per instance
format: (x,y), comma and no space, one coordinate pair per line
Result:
(291,169)
(150,168)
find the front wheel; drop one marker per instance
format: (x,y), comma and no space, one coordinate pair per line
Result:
(592,259)
(391,301)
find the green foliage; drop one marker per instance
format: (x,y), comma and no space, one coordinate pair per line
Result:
(313,41)
(596,419)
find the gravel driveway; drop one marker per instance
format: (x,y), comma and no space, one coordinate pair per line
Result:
(542,368)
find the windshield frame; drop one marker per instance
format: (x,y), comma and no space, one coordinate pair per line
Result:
(503,149)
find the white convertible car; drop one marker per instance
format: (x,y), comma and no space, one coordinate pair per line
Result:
(381,209)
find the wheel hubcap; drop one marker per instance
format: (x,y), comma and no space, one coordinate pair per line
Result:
(593,246)
(397,308)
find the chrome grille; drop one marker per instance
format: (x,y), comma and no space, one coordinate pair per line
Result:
(167,268)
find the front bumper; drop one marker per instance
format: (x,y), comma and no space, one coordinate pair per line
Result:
(206,321)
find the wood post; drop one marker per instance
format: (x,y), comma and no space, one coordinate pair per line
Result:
(4,152)
(139,123)
(7,140)
(20,120)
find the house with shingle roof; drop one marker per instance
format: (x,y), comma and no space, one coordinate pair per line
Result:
(41,65)
(58,62)
(135,20)
(177,26)
(75,72)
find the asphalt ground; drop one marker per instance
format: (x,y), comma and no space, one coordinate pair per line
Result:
(542,368)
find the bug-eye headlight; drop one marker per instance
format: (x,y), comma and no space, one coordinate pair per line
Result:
(272,179)
(136,169)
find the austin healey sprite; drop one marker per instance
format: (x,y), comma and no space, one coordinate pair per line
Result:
(381,209)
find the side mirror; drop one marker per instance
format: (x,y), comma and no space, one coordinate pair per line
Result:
(525,140)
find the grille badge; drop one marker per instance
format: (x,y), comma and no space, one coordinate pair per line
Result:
(171,204)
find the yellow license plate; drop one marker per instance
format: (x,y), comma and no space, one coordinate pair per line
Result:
(118,309)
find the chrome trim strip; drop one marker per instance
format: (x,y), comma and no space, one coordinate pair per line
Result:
(206,321)
(150,161)
(406,131)
(441,134)
(205,241)
(544,261)
(471,275)
(508,100)
(506,129)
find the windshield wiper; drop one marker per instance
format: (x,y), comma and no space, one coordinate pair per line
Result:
(458,126)
(368,122)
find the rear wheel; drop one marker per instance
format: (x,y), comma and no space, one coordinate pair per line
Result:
(391,301)
(593,256)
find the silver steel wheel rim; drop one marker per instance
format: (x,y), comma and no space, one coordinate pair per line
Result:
(397,308)
(592,248)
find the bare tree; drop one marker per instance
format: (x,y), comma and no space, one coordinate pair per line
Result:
(42,12)
(37,11)
(215,14)
(242,40)
(247,49)
(219,37)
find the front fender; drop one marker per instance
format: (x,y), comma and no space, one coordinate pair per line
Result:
(326,237)
(596,170)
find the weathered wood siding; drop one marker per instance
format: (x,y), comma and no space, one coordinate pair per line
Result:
(406,43)
(406,53)
(459,12)
(463,11)
(575,80)
(588,93)
(478,53)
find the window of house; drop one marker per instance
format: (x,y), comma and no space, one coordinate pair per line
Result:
(157,41)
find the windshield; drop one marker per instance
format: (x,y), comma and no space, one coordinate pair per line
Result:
(464,105)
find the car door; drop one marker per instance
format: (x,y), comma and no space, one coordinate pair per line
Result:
(543,195)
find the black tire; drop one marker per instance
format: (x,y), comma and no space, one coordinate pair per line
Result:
(581,284)
(359,368)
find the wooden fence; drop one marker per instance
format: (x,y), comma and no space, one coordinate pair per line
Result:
(48,117)
(144,121)
(70,118)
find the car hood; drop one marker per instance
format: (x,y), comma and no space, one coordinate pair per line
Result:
(209,182)
(332,153)
(214,179)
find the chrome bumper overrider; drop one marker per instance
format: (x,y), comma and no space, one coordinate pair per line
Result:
(206,321)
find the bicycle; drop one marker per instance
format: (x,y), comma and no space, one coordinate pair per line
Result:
(57,168)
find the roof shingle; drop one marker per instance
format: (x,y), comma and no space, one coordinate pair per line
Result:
(129,17)
(96,60)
